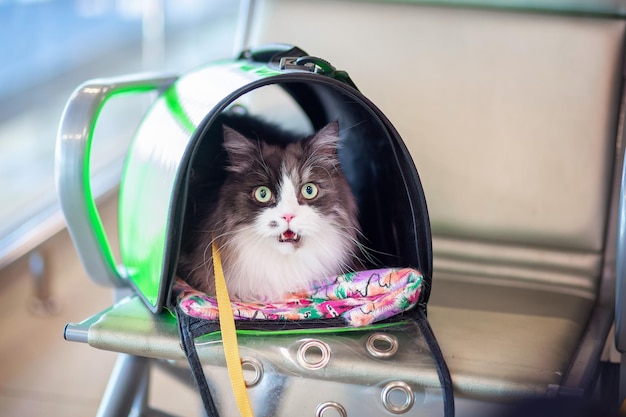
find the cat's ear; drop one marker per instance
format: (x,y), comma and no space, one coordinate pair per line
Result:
(240,150)
(326,140)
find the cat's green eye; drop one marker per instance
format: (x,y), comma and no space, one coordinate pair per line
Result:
(309,191)
(262,194)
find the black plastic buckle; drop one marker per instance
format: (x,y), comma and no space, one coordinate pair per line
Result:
(306,63)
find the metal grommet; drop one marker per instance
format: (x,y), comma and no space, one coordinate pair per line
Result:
(255,366)
(382,345)
(330,406)
(313,354)
(395,389)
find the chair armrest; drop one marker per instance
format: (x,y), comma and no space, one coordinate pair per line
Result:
(72,170)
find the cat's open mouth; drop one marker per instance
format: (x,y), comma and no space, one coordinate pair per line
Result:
(289,236)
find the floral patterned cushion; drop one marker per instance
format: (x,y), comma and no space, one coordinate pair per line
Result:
(359,298)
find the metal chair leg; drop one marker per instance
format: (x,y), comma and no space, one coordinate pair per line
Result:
(42,302)
(126,390)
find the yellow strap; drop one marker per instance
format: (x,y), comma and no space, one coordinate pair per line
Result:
(229,337)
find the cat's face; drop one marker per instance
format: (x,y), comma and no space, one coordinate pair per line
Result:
(288,197)
(291,217)
(285,213)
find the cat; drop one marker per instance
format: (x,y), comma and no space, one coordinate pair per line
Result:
(284,219)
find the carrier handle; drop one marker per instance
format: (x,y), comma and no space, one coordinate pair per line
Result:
(286,56)
(72,160)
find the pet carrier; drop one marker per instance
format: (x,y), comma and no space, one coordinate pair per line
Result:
(395,358)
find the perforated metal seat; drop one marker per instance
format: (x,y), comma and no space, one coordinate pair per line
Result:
(181,131)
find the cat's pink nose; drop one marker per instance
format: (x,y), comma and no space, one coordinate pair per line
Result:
(288,217)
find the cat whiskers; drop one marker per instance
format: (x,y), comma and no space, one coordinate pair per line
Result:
(366,251)
(308,167)
(261,157)
(207,259)
(352,126)
(344,264)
